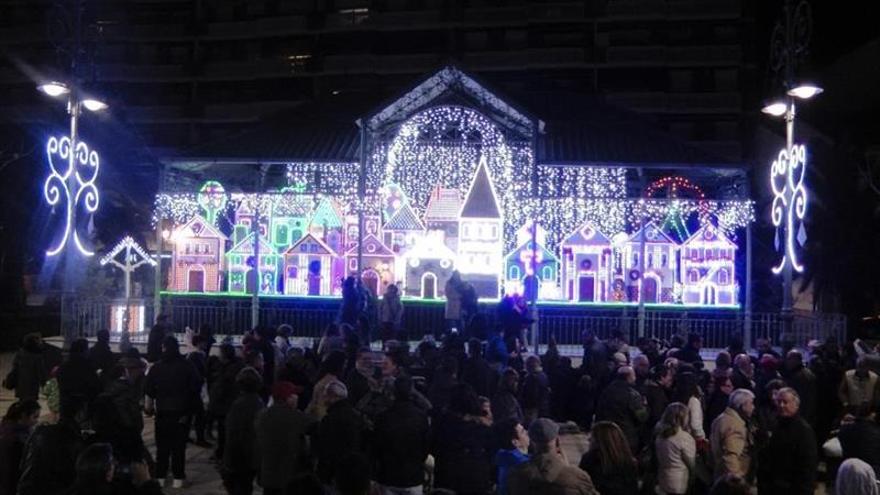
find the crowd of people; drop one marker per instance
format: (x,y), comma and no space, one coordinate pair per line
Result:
(468,414)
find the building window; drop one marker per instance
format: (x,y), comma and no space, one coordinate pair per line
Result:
(723,277)
(465,232)
(494,232)
(514,273)
(663,261)
(693,276)
(635,260)
(352,264)
(547,273)
(650,260)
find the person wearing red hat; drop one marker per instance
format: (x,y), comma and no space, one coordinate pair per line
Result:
(280,439)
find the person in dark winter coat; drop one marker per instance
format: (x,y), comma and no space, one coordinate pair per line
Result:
(29,371)
(609,462)
(622,404)
(117,416)
(476,371)
(199,360)
(341,431)
(157,335)
(496,350)
(239,465)
(743,372)
(102,357)
(222,390)
(360,379)
(860,437)
(690,353)
(48,465)
(463,446)
(96,474)
(800,378)
(15,428)
(77,380)
(535,393)
(281,439)
(400,441)
(656,390)
(173,384)
(505,404)
(789,461)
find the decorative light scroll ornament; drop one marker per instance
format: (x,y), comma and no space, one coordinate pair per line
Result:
(73,184)
(789,205)
(212,198)
(134,256)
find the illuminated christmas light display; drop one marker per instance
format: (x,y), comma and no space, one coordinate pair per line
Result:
(789,204)
(73,184)
(450,188)
(212,198)
(134,256)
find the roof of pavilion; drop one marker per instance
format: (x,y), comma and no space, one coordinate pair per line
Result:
(574,129)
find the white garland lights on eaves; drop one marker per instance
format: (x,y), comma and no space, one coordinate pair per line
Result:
(128,243)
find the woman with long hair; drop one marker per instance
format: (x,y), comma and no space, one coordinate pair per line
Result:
(676,450)
(687,391)
(610,462)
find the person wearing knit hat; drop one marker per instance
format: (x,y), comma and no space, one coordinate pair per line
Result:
(285,391)
(547,471)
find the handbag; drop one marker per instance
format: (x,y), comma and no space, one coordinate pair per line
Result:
(11,380)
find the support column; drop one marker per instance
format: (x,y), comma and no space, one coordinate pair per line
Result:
(642,264)
(747,314)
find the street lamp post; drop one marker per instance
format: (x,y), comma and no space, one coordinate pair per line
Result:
(788,45)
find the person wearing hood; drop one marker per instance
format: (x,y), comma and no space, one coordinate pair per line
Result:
(514,450)
(855,477)
(240,461)
(172,384)
(547,472)
(15,428)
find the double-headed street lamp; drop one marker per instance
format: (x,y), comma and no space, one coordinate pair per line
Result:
(788,171)
(73,167)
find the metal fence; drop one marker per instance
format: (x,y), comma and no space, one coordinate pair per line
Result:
(564,322)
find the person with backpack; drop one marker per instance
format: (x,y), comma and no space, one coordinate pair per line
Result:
(28,371)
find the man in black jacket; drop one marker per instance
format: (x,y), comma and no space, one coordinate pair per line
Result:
(800,378)
(173,383)
(340,433)
(102,357)
(622,404)
(239,457)
(789,461)
(157,335)
(48,464)
(400,442)
(860,437)
(78,384)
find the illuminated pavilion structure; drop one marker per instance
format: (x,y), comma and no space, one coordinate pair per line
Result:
(471,169)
